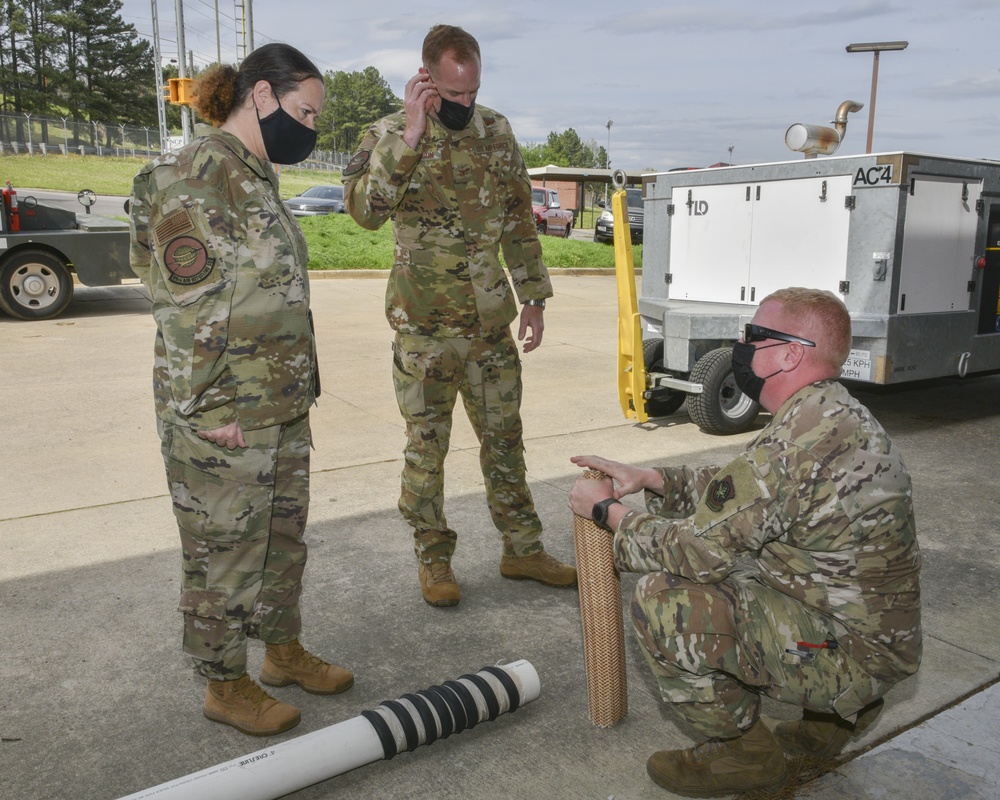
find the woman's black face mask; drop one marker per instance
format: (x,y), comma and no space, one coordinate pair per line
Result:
(286,140)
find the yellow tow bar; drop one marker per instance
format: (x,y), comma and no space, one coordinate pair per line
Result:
(631,366)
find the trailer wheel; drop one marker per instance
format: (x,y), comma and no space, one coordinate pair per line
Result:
(652,357)
(34,284)
(721,408)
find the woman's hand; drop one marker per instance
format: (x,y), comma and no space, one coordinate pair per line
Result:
(230,436)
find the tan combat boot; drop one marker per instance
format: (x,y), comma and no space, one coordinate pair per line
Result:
(292,663)
(823,735)
(248,708)
(539,567)
(438,584)
(751,762)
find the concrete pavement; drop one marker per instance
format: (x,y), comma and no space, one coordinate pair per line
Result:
(97,701)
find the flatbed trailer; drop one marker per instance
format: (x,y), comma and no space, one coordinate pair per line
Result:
(42,247)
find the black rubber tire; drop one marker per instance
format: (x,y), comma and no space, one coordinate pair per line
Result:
(652,358)
(34,284)
(567,230)
(721,409)
(542,228)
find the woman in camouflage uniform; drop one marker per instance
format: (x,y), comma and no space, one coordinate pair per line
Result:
(235,375)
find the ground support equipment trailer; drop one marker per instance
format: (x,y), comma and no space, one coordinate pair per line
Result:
(911,243)
(42,246)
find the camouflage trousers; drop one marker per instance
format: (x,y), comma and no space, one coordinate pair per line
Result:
(242,516)
(710,664)
(429,374)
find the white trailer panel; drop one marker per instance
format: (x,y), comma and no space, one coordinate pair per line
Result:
(903,238)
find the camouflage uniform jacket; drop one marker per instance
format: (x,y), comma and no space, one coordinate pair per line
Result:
(226,265)
(454,204)
(819,507)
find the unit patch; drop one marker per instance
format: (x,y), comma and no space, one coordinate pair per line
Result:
(718,492)
(357,163)
(187,260)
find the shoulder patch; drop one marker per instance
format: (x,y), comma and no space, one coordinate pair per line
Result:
(357,163)
(173,225)
(718,492)
(187,261)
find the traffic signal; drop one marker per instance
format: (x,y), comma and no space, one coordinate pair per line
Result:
(179,91)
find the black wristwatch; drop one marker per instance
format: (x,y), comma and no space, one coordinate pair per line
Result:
(600,512)
(539,303)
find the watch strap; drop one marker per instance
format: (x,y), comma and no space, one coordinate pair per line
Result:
(600,512)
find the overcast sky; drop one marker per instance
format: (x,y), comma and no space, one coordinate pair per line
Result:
(682,82)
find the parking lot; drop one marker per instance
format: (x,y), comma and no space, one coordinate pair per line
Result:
(97,701)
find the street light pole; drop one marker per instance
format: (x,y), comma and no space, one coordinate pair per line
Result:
(874,48)
(607,158)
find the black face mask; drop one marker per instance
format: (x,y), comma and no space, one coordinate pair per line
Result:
(454,115)
(748,381)
(286,140)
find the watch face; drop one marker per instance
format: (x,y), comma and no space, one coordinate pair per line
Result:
(600,513)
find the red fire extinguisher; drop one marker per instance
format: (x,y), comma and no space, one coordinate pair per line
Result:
(10,203)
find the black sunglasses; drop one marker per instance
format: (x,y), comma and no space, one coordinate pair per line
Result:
(755,333)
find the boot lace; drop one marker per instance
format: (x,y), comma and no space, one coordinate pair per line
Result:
(246,688)
(301,657)
(709,750)
(439,572)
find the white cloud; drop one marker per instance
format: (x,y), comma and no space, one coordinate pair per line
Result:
(681,82)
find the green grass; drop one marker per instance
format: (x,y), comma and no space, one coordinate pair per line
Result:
(335,242)
(113,176)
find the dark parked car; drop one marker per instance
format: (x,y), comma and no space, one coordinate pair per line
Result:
(604,230)
(318,200)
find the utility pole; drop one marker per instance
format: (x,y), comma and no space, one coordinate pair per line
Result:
(182,71)
(249,26)
(244,28)
(161,102)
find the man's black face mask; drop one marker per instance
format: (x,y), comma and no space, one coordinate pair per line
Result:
(454,115)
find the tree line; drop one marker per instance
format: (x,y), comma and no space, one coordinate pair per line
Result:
(76,59)
(356,99)
(79,60)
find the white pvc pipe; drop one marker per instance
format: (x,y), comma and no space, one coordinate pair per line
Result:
(286,767)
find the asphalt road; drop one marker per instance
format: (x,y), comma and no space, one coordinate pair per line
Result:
(106,205)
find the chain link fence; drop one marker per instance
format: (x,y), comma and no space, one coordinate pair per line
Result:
(28,134)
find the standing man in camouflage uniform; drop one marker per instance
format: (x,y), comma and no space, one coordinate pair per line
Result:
(450,175)
(791,572)
(234,378)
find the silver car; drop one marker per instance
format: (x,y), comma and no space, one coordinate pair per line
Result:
(318,200)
